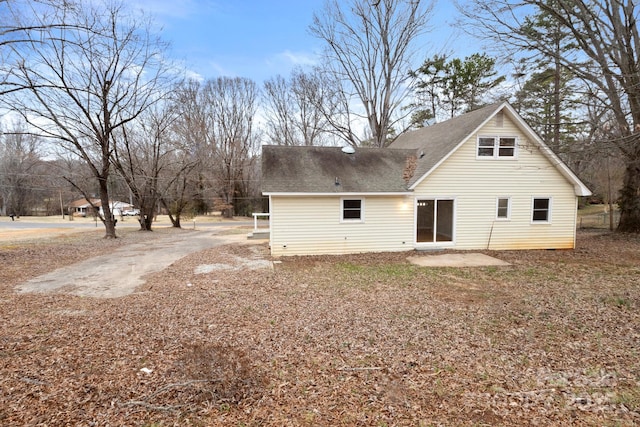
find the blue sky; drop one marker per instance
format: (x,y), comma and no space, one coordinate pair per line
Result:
(259,39)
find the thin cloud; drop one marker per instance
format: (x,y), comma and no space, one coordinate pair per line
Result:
(193,75)
(219,70)
(295,58)
(171,8)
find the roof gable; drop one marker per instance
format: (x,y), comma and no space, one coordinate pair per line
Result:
(434,144)
(83,203)
(323,170)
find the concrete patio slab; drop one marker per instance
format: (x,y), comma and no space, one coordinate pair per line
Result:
(456,260)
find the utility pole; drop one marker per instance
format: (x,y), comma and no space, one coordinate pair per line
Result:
(61,205)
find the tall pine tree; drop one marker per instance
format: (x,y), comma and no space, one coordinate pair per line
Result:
(452,87)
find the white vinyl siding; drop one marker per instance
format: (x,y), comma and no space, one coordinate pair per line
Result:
(312,225)
(477,184)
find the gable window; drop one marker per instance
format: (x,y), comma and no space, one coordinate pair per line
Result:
(497,147)
(503,208)
(541,209)
(486,147)
(352,210)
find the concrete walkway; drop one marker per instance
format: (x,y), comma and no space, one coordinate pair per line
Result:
(120,272)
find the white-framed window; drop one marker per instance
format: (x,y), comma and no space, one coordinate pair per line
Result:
(497,147)
(352,210)
(503,208)
(541,210)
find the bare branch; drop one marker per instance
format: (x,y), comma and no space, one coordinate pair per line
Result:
(368,53)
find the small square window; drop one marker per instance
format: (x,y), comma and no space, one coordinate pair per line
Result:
(497,147)
(352,209)
(503,205)
(541,210)
(507,147)
(485,147)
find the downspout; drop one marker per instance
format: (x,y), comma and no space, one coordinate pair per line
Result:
(490,234)
(270,228)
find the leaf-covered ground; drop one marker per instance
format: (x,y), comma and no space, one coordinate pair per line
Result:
(370,340)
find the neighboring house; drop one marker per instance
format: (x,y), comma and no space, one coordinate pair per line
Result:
(82,207)
(483,180)
(117,208)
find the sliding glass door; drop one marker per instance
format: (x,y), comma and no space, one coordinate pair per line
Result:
(434,220)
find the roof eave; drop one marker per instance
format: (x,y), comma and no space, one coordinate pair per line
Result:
(355,193)
(579,187)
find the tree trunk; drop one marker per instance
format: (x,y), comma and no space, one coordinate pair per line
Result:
(629,202)
(147,214)
(146,219)
(557,99)
(175,220)
(228,211)
(108,219)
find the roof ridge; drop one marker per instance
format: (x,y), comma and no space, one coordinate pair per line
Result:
(449,122)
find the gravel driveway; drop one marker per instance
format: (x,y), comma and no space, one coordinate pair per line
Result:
(120,272)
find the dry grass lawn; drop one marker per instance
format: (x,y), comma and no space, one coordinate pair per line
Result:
(362,340)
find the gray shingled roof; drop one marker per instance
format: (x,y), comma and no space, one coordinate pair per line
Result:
(287,169)
(438,140)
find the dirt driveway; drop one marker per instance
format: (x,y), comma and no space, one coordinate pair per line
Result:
(120,272)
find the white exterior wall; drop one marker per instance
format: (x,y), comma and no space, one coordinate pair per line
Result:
(475,184)
(311,225)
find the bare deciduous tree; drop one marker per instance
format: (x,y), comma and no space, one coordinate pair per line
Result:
(191,127)
(80,83)
(281,112)
(233,105)
(181,192)
(19,159)
(216,119)
(14,26)
(368,51)
(149,160)
(295,109)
